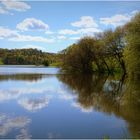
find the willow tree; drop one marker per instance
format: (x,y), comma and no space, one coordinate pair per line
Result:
(86,56)
(79,57)
(132,49)
(114,43)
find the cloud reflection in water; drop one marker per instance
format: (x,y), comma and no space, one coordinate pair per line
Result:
(34,104)
(10,123)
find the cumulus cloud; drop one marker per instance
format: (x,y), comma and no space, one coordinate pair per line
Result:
(34,104)
(67,32)
(32,24)
(13,35)
(83,31)
(87,26)
(15,5)
(75,38)
(85,22)
(118,19)
(34,47)
(61,37)
(89,30)
(22,38)
(6,33)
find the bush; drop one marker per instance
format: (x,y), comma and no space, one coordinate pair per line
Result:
(46,63)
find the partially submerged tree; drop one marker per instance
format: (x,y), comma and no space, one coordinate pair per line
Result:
(79,57)
(84,57)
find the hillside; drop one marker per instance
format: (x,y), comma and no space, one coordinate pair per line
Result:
(25,57)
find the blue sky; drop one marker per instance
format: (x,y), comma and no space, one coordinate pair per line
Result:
(52,26)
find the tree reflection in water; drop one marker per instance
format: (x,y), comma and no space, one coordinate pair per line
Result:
(24,77)
(109,94)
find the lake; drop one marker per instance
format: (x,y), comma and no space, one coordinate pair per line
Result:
(39,102)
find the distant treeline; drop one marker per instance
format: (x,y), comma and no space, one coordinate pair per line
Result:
(26,57)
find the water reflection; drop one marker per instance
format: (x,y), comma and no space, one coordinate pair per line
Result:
(24,77)
(11,123)
(112,95)
(34,104)
(61,105)
(17,86)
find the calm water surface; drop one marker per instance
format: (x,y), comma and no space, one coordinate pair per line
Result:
(41,103)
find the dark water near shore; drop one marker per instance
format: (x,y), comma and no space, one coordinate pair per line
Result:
(41,103)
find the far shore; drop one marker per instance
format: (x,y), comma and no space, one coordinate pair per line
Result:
(27,66)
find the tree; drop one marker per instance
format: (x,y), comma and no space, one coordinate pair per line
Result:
(114,43)
(26,56)
(46,63)
(79,57)
(132,49)
(1,62)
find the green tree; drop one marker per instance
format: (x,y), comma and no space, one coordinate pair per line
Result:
(79,57)
(132,50)
(114,43)
(1,62)
(46,63)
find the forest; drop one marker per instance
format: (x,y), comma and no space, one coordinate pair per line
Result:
(26,57)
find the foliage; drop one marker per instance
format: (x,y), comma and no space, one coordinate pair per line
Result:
(132,50)
(114,43)
(101,53)
(26,57)
(79,57)
(46,63)
(1,63)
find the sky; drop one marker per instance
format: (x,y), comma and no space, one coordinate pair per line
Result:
(51,26)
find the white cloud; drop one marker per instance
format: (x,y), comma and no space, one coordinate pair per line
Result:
(13,35)
(85,22)
(34,104)
(32,24)
(84,31)
(118,19)
(134,12)
(49,32)
(61,37)
(6,33)
(15,5)
(34,47)
(67,32)
(29,38)
(75,38)
(80,32)
(88,30)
